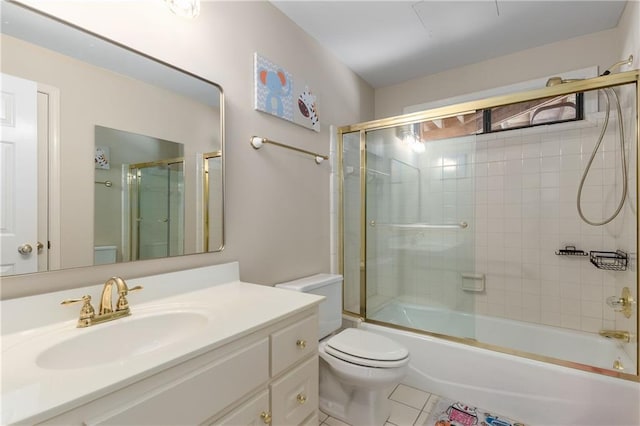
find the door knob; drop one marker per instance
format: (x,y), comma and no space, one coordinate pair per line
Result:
(25,249)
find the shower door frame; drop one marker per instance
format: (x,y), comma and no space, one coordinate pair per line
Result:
(611,80)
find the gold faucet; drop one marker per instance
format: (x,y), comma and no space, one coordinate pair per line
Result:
(106,303)
(616,334)
(88,316)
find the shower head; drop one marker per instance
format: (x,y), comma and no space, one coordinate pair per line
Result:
(619,64)
(554,81)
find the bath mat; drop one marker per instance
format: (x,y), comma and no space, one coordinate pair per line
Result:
(448,412)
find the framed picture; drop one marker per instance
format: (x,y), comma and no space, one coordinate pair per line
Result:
(102,157)
(278,93)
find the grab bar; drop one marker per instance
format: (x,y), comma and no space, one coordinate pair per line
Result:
(461,225)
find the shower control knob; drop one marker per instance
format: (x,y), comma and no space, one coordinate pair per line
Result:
(623,303)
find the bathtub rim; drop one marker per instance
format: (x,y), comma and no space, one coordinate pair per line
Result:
(393,303)
(508,351)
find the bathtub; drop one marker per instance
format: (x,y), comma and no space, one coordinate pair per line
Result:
(571,345)
(533,392)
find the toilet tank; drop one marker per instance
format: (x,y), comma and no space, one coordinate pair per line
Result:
(103,255)
(329,286)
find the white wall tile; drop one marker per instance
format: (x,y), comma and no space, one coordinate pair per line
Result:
(570,321)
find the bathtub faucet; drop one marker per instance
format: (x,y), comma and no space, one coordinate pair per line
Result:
(616,334)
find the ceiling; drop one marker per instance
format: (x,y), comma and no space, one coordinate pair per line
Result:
(388,42)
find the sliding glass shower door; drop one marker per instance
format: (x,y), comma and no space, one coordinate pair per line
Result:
(514,228)
(419,216)
(415,186)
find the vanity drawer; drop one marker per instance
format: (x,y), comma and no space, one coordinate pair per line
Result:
(294,397)
(293,343)
(197,395)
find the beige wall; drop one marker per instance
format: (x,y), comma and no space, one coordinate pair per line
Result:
(277,202)
(593,49)
(629,27)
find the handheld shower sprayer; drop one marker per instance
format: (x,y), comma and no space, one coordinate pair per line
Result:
(609,93)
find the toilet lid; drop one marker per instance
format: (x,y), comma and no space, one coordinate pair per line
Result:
(366,348)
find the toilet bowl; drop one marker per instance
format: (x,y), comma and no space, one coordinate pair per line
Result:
(358,368)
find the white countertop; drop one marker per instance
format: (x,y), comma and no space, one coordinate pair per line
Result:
(31,394)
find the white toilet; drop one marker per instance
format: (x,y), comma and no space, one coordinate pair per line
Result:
(358,368)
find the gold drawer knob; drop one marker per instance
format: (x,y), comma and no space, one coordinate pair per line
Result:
(266,417)
(301,343)
(301,399)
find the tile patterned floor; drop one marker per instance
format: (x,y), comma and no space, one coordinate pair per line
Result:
(409,406)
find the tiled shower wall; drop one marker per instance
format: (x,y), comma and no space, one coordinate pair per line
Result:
(517,190)
(525,210)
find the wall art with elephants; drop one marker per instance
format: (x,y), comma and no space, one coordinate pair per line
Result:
(278,93)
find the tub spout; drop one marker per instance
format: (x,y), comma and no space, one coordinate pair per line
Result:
(616,334)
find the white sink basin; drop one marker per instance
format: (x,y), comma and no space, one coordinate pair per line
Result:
(121,339)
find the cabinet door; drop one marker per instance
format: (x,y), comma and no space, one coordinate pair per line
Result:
(312,420)
(200,394)
(295,396)
(252,413)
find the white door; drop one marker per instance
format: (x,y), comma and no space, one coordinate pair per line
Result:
(18,176)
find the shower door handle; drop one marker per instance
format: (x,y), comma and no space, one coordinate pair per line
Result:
(459,225)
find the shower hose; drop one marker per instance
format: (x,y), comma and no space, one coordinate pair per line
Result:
(623,159)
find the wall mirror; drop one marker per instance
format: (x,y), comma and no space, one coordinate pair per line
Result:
(108,155)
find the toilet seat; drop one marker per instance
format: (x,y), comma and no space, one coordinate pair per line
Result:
(366,349)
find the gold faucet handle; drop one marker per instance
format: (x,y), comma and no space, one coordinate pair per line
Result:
(123,303)
(86,312)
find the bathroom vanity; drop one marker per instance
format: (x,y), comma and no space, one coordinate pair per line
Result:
(200,347)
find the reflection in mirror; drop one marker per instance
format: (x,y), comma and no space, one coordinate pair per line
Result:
(77,87)
(139,207)
(214,233)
